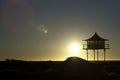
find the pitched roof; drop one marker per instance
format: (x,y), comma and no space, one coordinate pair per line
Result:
(96,37)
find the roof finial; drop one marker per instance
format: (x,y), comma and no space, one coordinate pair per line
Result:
(95,32)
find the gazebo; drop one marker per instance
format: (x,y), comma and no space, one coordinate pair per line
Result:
(96,43)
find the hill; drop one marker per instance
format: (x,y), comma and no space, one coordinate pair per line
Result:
(73,68)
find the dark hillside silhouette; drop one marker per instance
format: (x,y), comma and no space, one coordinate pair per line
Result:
(73,68)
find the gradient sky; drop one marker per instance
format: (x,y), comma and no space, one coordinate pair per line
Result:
(21,35)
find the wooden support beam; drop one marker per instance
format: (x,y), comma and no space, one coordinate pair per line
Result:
(87,55)
(104,55)
(94,55)
(97,55)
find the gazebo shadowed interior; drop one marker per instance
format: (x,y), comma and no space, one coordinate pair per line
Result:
(96,43)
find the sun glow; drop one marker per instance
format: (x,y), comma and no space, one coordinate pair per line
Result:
(75,49)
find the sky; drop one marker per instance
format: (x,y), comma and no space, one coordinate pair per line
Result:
(45,29)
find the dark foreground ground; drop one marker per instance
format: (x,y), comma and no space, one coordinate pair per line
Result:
(71,69)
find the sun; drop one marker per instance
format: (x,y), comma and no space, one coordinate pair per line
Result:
(75,49)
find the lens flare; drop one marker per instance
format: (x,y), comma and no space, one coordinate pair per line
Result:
(43,29)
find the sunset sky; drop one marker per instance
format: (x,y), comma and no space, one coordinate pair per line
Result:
(46,29)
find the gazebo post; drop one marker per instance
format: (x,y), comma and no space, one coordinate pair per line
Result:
(87,54)
(97,55)
(94,55)
(104,55)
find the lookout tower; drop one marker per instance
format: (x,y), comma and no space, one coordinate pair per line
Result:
(96,43)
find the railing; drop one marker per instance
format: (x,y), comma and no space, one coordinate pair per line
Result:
(107,46)
(85,46)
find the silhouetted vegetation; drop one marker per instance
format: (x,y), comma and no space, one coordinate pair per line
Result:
(73,68)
